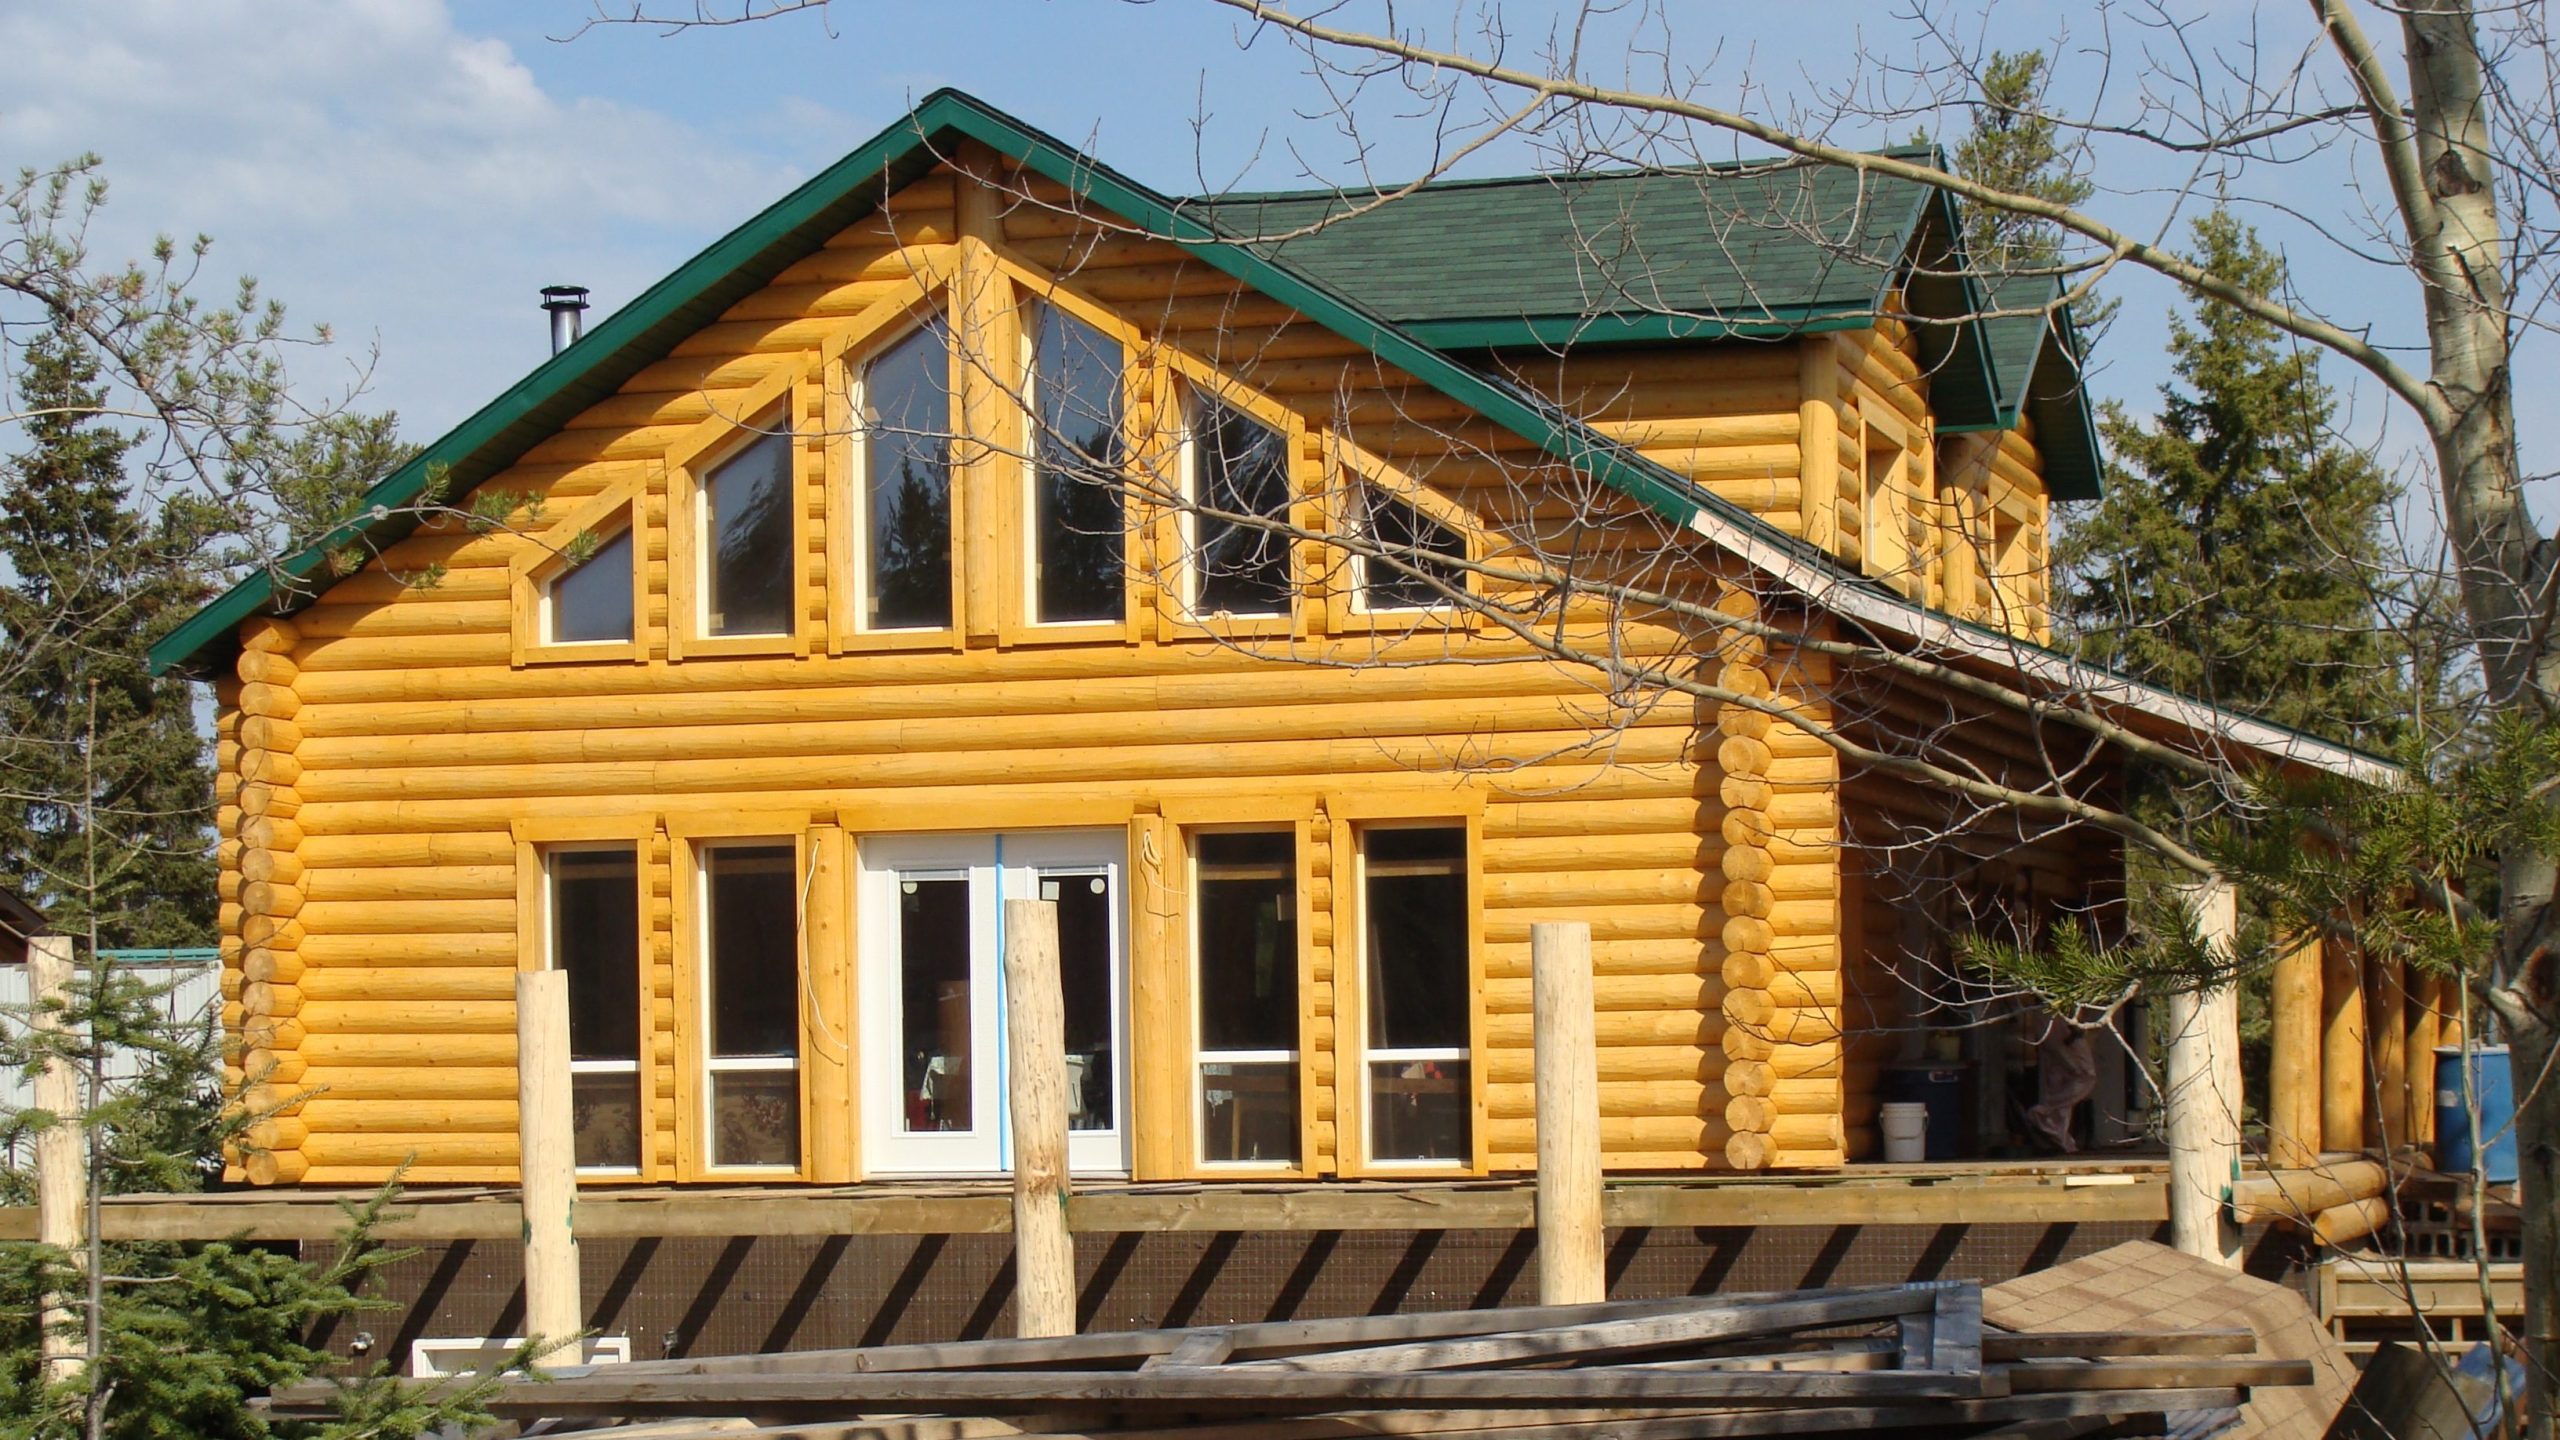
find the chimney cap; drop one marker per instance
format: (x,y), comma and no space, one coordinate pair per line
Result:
(564,297)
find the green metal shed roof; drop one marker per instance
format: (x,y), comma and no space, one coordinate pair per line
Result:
(751,255)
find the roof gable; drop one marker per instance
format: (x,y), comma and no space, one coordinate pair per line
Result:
(696,294)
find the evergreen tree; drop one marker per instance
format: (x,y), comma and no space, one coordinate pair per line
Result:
(320,473)
(2014,145)
(2238,554)
(106,794)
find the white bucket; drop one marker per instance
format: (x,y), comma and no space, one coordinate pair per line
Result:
(1906,1131)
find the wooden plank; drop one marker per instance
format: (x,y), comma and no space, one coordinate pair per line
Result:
(2043,1344)
(1261,1339)
(2037,1376)
(1998,1195)
(1196,1388)
(1955,1341)
(1597,1339)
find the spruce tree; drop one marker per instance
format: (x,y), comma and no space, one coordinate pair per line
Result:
(2238,555)
(106,793)
(2015,146)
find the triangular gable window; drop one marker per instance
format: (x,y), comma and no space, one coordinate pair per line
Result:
(1415,570)
(592,601)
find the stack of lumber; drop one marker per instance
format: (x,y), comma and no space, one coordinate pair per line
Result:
(1914,1359)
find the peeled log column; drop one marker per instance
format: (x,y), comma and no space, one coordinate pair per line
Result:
(1044,1296)
(548,1163)
(2386,1027)
(1572,1254)
(2293,1083)
(2342,1063)
(61,1174)
(2204,1090)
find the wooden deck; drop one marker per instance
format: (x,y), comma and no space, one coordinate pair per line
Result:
(1975,1193)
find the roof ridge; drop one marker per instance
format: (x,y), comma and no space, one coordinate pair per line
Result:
(1781,161)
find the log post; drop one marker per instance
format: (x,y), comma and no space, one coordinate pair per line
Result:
(62,1180)
(2342,1068)
(2426,1032)
(826,939)
(2204,1089)
(1572,1246)
(548,1165)
(1035,1012)
(2293,1084)
(2387,1030)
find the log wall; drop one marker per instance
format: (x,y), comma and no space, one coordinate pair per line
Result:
(387,750)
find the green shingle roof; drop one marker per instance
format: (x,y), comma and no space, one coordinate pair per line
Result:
(1745,269)
(2036,354)
(1757,249)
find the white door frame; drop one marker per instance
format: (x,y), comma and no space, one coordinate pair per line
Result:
(997,868)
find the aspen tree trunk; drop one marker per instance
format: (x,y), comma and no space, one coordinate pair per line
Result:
(2458,247)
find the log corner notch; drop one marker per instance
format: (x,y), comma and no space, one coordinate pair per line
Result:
(1772,999)
(262,876)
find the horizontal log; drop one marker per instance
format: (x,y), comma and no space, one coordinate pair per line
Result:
(1676,1098)
(410,917)
(402,1083)
(329,1049)
(436,882)
(410,983)
(2299,1195)
(333,1115)
(1107,762)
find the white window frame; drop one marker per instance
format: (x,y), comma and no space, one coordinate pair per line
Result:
(547,632)
(774,423)
(714,1065)
(1368,1055)
(551,961)
(1202,1056)
(857,385)
(1363,490)
(1187,522)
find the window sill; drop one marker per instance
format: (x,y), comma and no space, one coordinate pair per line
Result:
(883,642)
(724,647)
(1068,632)
(1230,627)
(581,652)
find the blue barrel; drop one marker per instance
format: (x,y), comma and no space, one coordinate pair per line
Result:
(2493,1084)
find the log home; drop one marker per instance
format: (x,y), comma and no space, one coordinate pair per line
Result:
(1305,592)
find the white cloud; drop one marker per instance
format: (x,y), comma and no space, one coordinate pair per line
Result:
(376,167)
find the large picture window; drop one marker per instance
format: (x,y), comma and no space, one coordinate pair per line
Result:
(1245,940)
(745,521)
(905,399)
(751,998)
(595,938)
(1077,454)
(1240,471)
(1416,992)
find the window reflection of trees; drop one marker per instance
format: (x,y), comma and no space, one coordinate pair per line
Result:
(1240,466)
(750,507)
(1079,452)
(906,396)
(1408,537)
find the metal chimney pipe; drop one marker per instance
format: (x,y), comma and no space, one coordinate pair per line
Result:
(568,306)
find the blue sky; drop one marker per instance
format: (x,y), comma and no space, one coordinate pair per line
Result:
(412,171)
